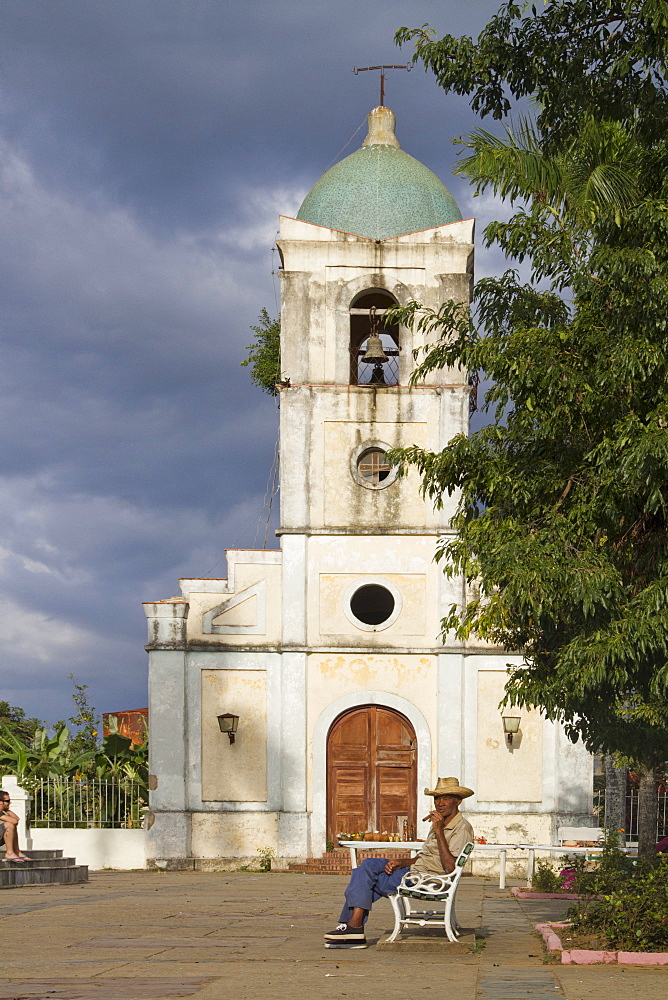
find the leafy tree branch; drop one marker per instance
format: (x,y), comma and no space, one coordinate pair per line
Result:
(562,511)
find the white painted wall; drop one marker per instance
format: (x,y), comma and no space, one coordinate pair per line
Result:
(119,849)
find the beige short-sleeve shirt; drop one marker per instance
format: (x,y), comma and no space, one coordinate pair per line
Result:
(458,832)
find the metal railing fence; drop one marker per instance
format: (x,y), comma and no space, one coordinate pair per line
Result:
(87,803)
(632,813)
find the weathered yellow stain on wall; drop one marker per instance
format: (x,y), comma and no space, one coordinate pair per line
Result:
(234,772)
(411,677)
(506,775)
(233,835)
(411,620)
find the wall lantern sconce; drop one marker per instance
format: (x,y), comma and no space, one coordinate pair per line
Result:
(228,724)
(511,726)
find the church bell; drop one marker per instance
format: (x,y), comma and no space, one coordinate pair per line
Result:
(374,352)
(375,355)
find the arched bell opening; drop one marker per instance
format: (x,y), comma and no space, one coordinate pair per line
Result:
(374,347)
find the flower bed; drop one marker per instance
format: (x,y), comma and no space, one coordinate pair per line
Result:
(586,956)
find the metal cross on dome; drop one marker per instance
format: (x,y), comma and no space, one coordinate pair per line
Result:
(363,69)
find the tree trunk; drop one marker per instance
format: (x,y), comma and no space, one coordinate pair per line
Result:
(647,812)
(615,800)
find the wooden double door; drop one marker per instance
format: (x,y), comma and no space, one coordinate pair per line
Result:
(371,773)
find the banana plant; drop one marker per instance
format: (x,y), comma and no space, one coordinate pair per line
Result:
(109,783)
(49,756)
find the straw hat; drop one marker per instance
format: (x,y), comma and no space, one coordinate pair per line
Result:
(449,786)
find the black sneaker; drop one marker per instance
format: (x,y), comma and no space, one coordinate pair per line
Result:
(344,936)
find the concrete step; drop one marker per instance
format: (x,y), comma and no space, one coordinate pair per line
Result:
(60,862)
(38,855)
(28,873)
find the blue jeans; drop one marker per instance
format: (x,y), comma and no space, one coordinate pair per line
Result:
(369,882)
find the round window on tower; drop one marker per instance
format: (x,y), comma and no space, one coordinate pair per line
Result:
(370,468)
(372,605)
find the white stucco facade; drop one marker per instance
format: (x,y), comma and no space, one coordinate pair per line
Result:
(276,642)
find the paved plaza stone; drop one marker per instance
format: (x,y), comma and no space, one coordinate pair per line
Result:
(240,935)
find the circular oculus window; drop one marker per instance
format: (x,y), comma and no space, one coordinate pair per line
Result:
(370,468)
(373,605)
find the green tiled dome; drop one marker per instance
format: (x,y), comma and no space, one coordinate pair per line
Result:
(379,191)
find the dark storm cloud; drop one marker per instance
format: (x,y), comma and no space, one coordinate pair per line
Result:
(146,150)
(172,103)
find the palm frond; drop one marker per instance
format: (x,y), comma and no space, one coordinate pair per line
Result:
(597,173)
(513,166)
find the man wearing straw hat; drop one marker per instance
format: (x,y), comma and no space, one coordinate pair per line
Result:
(377,877)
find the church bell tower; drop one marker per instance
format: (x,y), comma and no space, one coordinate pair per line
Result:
(362,596)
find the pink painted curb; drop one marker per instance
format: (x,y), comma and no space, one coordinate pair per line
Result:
(527,894)
(582,956)
(642,957)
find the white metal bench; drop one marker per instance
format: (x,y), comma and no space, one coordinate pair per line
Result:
(577,833)
(426,888)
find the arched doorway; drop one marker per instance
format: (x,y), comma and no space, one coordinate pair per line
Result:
(371,773)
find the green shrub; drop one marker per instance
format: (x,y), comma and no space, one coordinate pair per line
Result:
(545,878)
(634,915)
(266,857)
(264,354)
(610,871)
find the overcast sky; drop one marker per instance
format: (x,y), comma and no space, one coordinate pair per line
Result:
(147,148)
